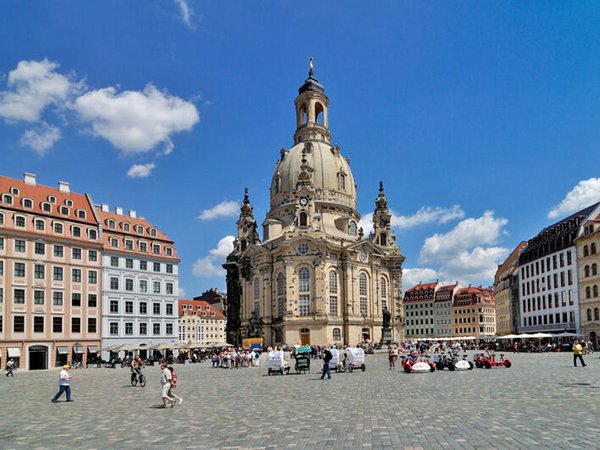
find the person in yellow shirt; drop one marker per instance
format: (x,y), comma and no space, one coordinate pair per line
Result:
(577,353)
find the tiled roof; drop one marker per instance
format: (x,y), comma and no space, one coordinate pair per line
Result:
(200,306)
(41,194)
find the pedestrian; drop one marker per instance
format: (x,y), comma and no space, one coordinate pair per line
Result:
(577,351)
(327,356)
(165,381)
(392,356)
(64,384)
(174,385)
(9,368)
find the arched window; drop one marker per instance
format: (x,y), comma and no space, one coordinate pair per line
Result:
(304,280)
(337,334)
(595,290)
(1,219)
(588,292)
(596,314)
(383,239)
(352,231)
(341,181)
(333,284)
(319,116)
(256,289)
(280,295)
(303,219)
(586,251)
(586,271)
(594,269)
(589,315)
(383,287)
(593,248)
(362,291)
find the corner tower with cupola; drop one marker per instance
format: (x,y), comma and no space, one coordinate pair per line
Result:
(314,278)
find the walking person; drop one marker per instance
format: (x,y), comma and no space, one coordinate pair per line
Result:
(165,380)
(64,384)
(9,368)
(393,355)
(327,356)
(174,385)
(577,353)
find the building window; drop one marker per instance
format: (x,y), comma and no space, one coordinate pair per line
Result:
(333,305)
(337,334)
(76,299)
(114,328)
(58,227)
(304,280)
(362,290)
(143,265)
(76,325)
(128,244)
(57,274)
(1,219)
(128,307)
(40,225)
(76,231)
(143,308)
(169,309)
(20,221)
(352,228)
(129,263)
(156,287)
(114,306)
(156,267)
(256,289)
(143,286)
(92,255)
(169,288)
(58,251)
(114,261)
(40,248)
(92,234)
(92,327)
(169,268)
(143,329)
(333,284)
(57,298)
(39,272)
(19,270)
(156,308)
(76,275)
(19,324)
(593,248)
(1,268)
(114,283)
(38,297)
(7,199)
(57,325)
(128,284)
(114,242)
(76,253)
(341,181)
(92,300)
(129,328)
(19,245)
(156,329)
(143,247)
(304,305)
(156,249)
(303,219)
(64,210)
(169,251)
(169,330)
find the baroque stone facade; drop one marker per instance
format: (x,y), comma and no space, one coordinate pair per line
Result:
(314,278)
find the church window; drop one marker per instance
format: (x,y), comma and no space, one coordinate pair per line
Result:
(342,181)
(362,291)
(596,314)
(303,219)
(256,289)
(587,271)
(280,295)
(594,269)
(352,230)
(303,248)
(588,292)
(589,315)
(333,282)
(337,334)
(304,280)
(304,305)
(383,287)
(595,291)
(586,250)
(593,248)
(319,116)
(333,305)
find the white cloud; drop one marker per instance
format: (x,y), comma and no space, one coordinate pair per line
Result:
(210,266)
(224,209)
(140,170)
(33,86)
(428,214)
(40,139)
(136,121)
(182,292)
(186,13)
(467,252)
(584,194)
(412,277)
(366,223)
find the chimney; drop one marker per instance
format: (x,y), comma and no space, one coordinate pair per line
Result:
(119,210)
(132,214)
(29,178)
(63,186)
(105,207)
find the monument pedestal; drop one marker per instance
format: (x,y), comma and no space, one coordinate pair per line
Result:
(386,336)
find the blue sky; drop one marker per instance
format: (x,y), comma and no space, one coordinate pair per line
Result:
(481,119)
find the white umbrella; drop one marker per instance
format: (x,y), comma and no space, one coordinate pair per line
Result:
(566,334)
(542,335)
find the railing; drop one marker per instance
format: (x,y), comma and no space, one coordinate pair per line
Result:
(555,327)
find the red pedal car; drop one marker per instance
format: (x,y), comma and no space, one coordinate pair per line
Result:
(417,364)
(488,360)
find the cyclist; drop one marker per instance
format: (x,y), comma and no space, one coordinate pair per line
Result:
(136,366)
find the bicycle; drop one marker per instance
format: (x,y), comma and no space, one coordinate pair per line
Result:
(138,377)
(76,365)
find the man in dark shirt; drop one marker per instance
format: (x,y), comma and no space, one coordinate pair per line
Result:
(327,356)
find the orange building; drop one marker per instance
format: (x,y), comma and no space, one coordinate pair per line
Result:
(474,313)
(50,274)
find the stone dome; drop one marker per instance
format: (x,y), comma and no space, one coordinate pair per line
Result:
(331,177)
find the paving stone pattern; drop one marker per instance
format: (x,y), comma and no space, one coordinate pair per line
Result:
(541,402)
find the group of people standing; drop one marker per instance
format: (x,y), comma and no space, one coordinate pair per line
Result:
(232,359)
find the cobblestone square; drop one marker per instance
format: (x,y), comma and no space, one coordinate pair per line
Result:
(541,402)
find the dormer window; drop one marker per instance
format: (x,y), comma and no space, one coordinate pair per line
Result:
(152,232)
(46,207)
(93,235)
(15,191)
(69,203)
(27,203)
(64,210)
(76,231)
(7,199)
(352,231)
(169,251)
(110,224)
(52,199)
(81,214)
(126,226)
(114,242)
(139,229)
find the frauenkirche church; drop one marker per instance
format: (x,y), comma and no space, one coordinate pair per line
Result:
(314,278)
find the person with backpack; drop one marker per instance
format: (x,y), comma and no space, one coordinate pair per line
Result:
(327,356)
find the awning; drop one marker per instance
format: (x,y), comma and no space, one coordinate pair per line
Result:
(92,348)
(14,352)
(62,350)
(78,349)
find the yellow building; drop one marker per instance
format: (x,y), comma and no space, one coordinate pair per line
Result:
(506,293)
(474,313)
(314,278)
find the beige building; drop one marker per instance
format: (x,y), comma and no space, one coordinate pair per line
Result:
(474,313)
(50,274)
(200,323)
(506,293)
(314,278)
(588,264)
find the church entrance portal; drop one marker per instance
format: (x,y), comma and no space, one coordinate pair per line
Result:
(366,334)
(38,357)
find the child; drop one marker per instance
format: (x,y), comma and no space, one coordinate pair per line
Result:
(174,385)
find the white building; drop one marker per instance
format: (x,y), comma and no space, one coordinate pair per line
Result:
(200,323)
(140,282)
(442,310)
(548,291)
